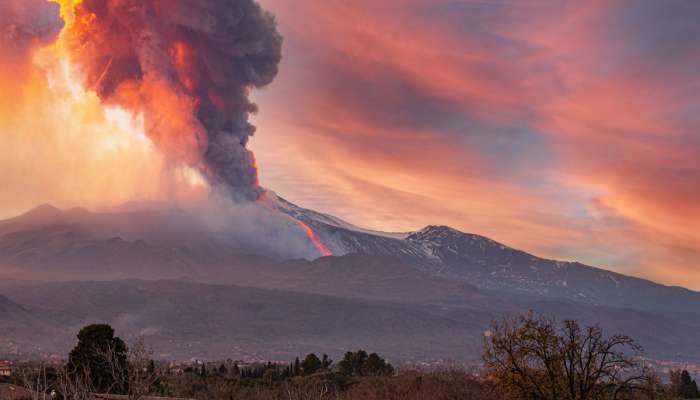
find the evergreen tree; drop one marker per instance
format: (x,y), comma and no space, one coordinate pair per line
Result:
(375,365)
(688,387)
(326,362)
(297,367)
(88,357)
(352,363)
(311,364)
(236,370)
(223,370)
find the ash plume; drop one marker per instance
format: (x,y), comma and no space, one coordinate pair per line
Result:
(25,23)
(188,66)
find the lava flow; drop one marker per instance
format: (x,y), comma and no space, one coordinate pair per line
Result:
(318,244)
(325,251)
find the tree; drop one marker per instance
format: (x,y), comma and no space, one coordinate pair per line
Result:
(139,375)
(532,358)
(297,367)
(87,357)
(311,364)
(236,371)
(326,362)
(75,384)
(38,380)
(352,363)
(683,386)
(376,366)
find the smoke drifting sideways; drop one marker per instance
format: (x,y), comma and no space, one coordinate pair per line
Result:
(188,66)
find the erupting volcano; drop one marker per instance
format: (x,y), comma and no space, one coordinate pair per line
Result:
(188,67)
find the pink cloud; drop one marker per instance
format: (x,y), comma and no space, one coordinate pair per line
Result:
(566,129)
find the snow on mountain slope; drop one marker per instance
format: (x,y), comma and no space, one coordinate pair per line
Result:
(51,242)
(487,264)
(329,220)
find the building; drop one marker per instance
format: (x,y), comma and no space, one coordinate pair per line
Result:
(5,368)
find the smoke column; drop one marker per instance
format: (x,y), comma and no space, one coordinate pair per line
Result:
(25,24)
(188,66)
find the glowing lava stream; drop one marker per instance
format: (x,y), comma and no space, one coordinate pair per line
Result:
(325,251)
(322,249)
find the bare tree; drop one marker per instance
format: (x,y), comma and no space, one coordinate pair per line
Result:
(314,389)
(74,384)
(532,357)
(136,378)
(34,379)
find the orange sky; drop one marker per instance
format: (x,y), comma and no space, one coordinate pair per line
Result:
(567,129)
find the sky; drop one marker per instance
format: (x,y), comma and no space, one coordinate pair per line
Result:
(569,129)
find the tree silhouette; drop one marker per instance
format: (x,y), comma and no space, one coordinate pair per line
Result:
(683,385)
(532,357)
(360,364)
(311,364)
(87,357)
(375,365)
(297,367)
(326,362)
(352,363)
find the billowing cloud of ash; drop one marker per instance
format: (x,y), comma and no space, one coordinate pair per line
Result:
(188,66)
(142,101)
(59,143)
(26,23)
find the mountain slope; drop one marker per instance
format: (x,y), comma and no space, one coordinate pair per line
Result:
(24,328)
(184,319)
(164,243)
(429,293)
(487,264)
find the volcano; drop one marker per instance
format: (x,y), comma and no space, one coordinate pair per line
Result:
(158,271)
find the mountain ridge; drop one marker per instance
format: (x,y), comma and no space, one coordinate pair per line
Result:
(491,265)
(464,280)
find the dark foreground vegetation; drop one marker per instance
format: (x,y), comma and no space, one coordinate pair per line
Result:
(529,358)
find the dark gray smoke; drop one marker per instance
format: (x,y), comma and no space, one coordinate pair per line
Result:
(209,54)
(24,23)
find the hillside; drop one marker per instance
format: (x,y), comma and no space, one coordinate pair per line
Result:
(415,296)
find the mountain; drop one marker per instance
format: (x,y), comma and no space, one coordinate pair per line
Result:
(185,319)
(23,328)
(487,264)
(198,291)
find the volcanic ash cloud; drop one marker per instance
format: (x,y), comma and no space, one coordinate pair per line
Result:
(27,23)
(188,66)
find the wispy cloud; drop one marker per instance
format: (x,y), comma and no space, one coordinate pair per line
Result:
(567,128)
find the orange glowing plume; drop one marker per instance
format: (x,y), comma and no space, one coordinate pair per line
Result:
(189,78)
(169,111)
